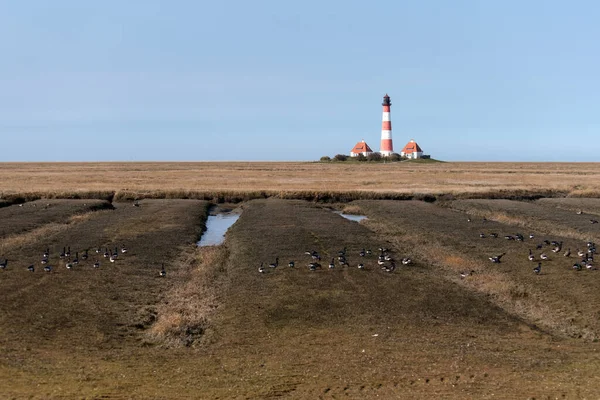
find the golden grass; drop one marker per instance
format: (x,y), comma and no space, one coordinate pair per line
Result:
(185,314)
(244,180)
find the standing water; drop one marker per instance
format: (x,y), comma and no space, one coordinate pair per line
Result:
(216,226)
(351,217)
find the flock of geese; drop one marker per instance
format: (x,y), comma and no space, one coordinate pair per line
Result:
(385,261)
(73,261)
(544,251)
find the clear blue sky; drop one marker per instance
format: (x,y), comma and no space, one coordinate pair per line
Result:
(278,80)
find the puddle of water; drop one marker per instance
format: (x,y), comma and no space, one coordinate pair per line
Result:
(351,217)
(216,226)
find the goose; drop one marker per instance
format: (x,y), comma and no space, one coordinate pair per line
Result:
(531,236)
(547,242)
(362,253)
(76,259)
(593,221)
(387,257)
(123,249)
(531,256)
(482,235)
(309,253)
(48,268)
(464,274)
(63,254)
(577,267)
(84,256)
(31,268)
(543,256)
(275,264)
(106,255)
(69,264)
(580,253)
(539,246)
(496,259)
(579,212)
(509,237)
(3,264)
(68,253)
(391,268)
(343,262)
(261,269)
(519,237)
(313,266)
(589,266)
(557,248)
(46,253)
(406,261)
(136,203)
(383,250)
(469,219)
(332,264)
(381,261)
(162,272)
(369,252)
(116,253)
(590,244)
(113,257)
(494,235)
(44,260)
(97,264)
(567,253)
(538,269)
(98,250)
(342,252)
(361,266)
(291,264)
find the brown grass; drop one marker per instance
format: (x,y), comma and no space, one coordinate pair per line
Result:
(243,181)
(185,313)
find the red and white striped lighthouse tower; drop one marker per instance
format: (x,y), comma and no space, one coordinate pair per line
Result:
(387,147)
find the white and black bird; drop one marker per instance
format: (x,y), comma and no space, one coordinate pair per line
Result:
(391,268)
(538,269)
(84,256)
(362,253)
(496,259)
(48,268)
(275,264)
(567,253)
(531,257)
(361,266)
(332,264)
(97,264)
(482,235)
(465,274)
(31,268)
(406,261)
(4,264)
(106,253)
(543,256)
(123,249)
(69,264)
(291,264)
(76,259)
(261,269)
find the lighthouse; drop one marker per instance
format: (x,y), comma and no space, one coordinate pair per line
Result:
(386,128)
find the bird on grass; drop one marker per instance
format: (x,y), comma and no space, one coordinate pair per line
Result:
(123,249)
(482,235)
(106,254)
(113,257)
(465,274)
(362,253)
(48,268)
(531,257)
(136,203)
(577,267)
(162,272)
(84,256)
(332,264)
(313,266)
(291,264)
(97,264)
(579,212)
(494,235)
(63,254)
(406,261)
(4,264)
(580,253)
(275,264)
(391,268)
(361,266)
(76,259)
(45,260)
(496,259)
(261,269)
(46,253)
(68,253)
(69,264)
(593,221)
(567,253)
(538,269)
(531,236)
(31,268)
(543,256)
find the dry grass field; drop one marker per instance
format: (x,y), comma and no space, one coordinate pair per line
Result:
(297,179)
(217,328)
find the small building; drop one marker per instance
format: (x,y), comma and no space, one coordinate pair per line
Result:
(361,148)
(411,150)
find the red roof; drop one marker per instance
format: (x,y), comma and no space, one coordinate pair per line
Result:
(411,147)
(361,147)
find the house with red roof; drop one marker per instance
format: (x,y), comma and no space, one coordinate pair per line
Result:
(411,150)
(361,148)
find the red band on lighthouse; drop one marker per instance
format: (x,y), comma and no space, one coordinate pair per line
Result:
(386,148)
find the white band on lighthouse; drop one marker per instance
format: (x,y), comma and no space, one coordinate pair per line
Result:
(386,135)
(386,116)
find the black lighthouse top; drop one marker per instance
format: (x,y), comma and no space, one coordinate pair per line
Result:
(386,100)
